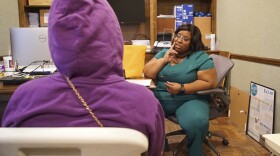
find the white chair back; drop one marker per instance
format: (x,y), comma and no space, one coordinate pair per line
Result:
(72,141)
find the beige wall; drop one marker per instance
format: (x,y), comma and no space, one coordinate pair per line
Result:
(251,27)
(8,18)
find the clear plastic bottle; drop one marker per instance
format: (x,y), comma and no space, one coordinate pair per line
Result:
(212,42)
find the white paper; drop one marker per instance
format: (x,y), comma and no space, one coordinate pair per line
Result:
(143,82)
(46,68)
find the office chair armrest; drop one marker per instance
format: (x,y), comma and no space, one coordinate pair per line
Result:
(211,91)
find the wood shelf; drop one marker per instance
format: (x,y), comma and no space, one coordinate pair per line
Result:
(24,9)
(37,6)
(152,8)
(166,7)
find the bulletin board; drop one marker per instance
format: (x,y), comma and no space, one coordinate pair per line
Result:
(261,111)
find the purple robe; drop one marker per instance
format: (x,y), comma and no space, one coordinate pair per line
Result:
(86,44)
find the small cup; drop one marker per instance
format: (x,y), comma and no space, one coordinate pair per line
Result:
(8,63)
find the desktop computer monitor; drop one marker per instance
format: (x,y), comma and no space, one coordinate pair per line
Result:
(29,45)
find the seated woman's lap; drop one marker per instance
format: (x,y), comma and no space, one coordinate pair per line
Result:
(192,115)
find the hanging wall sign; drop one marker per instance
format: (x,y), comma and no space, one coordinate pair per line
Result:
(261,111)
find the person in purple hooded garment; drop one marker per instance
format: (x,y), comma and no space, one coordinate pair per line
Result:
(86,46)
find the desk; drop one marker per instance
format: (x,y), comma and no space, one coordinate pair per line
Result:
(7,89)
(272,142)
(5,94)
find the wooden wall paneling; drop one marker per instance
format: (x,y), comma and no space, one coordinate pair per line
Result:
(147,16)
(256,59)
(262,60)
(153,22)
(23,18)
(214,15)
(224,53)
(142,28)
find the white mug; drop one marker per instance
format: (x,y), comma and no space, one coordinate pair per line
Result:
(8,63)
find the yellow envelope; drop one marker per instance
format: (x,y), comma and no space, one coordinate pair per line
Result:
(134,60)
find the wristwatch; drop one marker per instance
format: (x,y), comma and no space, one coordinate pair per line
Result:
(182,89)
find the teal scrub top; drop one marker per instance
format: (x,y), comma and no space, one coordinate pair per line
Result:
(184,72)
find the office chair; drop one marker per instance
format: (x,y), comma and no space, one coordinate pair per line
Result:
(72,141)
(134,60)
(219,103)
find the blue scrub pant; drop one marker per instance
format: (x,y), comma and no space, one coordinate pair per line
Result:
(193,117)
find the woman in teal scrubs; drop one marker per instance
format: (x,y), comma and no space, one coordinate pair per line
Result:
(179,72)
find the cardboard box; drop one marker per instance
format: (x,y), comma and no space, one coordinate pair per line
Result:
(39,2)
(44,15)
(206,39)
(165,25)
(239,107)
(204,24)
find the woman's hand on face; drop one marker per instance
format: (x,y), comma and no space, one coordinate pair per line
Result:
(173,87)
(170,54)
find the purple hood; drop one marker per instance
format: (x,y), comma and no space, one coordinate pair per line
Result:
(85,40)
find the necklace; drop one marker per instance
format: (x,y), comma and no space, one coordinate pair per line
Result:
(83,101)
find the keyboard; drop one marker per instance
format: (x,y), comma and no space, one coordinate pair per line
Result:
(40,70)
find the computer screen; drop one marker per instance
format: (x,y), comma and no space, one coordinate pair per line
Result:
(129,11)
(29,45)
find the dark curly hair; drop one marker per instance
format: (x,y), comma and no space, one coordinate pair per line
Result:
(196,43)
